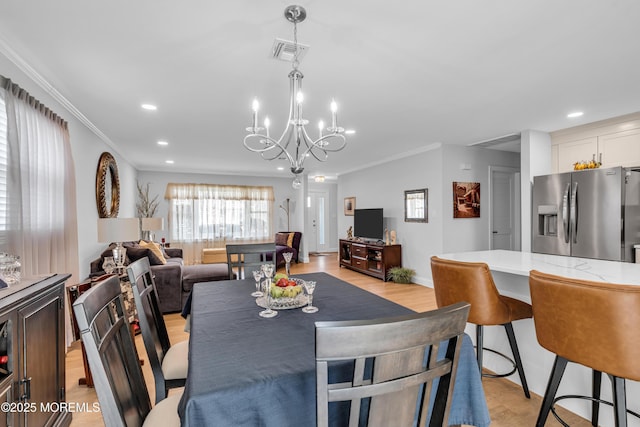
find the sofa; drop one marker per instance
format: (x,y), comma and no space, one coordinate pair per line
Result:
(287,241)
(173,279)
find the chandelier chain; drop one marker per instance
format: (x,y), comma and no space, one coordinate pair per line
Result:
(295,46)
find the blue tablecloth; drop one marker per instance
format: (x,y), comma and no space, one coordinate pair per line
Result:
(245,370)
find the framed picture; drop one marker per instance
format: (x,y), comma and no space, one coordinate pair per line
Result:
(349,205)
(466,200)
(415,205)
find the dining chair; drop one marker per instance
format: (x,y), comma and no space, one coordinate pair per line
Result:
(169,363)
(242,259)
(593,324)
(404,355)
(113,359)
(456,281)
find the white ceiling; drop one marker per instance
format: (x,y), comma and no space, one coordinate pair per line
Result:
(406,74)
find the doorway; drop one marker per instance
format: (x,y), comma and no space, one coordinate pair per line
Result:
(504,203)
(317,221)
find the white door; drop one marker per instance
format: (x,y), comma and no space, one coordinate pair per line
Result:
(318,205)
(505,208)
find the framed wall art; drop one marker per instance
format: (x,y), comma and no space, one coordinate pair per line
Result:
(416,205)
(349,205)
(466,200)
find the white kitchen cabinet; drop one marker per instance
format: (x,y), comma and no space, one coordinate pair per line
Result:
(576,151)
(620,149)
(614,142)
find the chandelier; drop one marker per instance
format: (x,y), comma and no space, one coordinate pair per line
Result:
(295,144)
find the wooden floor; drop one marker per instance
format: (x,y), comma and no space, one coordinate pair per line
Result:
(507,405)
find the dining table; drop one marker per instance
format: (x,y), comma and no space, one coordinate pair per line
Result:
(246,370)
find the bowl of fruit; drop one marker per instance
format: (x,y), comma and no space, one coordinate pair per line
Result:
(286,292)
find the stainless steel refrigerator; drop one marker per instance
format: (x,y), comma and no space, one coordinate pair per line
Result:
(590,213)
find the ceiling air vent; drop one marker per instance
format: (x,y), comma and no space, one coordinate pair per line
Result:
(284,50)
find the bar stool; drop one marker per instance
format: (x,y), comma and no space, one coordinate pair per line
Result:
(591,323)
(457,281)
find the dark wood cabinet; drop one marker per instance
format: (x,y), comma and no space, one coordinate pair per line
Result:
(369,258)
(32,343)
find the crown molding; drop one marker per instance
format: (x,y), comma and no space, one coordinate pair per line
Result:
(38,79)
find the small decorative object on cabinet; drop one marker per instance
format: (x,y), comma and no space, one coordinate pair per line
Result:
(372,259)
(350,232)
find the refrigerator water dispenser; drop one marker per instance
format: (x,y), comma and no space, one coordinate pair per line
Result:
(548,220)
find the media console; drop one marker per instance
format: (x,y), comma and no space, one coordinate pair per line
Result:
(374,259)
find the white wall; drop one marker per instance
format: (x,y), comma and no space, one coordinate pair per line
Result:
(469,234)
(535,151)
(383,186)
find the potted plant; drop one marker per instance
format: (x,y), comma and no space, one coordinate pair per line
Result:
(400,274)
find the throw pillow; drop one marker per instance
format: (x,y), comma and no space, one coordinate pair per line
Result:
(135,254)
(155,248)
(290,240)
(281,239)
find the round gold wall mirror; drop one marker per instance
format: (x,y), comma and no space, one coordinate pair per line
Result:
(107,187)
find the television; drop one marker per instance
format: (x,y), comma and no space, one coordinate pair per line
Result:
(368,224)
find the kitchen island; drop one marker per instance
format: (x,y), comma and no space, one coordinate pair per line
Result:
(510,271)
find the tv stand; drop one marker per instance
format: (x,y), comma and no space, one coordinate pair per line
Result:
(374,259)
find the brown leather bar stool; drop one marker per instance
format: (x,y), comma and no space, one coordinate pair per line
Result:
(456,281)
(591,323)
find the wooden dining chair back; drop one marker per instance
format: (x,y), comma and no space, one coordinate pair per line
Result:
(403,354)
(594,324)
(169,363)
(243,259)
(113,359)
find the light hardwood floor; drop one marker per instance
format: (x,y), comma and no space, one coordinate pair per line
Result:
(507,405)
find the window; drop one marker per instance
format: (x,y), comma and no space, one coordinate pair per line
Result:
(209,212)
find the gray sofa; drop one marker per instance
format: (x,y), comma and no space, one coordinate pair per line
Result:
(173,280)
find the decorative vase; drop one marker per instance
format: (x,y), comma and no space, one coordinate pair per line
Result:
(108,265)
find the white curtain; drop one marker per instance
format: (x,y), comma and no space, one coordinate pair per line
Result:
(210,215)
(40,206)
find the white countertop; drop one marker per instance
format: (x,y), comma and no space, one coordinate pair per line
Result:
(520,263)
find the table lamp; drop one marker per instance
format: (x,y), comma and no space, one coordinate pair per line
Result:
(149,225)
(118,230)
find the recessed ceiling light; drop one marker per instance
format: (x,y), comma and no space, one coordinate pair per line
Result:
(349,131)
(575,114)
(149,107)
(169,162)
(280,168)
(163,143)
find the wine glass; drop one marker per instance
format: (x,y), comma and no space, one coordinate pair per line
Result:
(287,259)
(267,269)
(257,275)
(309,287)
